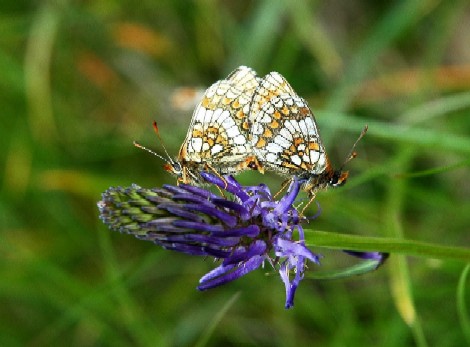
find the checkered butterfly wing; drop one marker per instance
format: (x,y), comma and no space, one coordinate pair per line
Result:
(284,134)
(218,133)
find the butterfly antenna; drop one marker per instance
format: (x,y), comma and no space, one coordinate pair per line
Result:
(138,145)
(155,128)
(353,154)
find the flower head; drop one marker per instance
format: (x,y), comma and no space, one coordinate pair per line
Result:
(243,232)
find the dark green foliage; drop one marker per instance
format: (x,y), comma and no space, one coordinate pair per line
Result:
(81,80)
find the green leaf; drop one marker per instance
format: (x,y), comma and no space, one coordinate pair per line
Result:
(354,270)
(385,245)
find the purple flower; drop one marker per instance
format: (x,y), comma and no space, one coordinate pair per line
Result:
(243,232)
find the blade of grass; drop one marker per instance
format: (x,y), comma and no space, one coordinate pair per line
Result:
(262,34)
(209,331)
(313,36)
(358,269)
(391,26)
(326,239)
(37,71)
(462,304)
(400,282)
(436,108)
(437,139)
(127,304)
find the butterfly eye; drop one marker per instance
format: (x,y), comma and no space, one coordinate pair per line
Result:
(339,178)
(177,167)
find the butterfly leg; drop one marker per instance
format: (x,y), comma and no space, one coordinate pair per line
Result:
(283,187)
(251,163)
(211,168)
(312,197)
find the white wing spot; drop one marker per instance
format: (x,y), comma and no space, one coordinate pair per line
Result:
(208,116)
(286,134)
(282,141)
(196,143)
(296,160)
(271,158)
(233,132)
(226,121)
(239,140)
(315,156)
(273,147)
(216,149)
(199,115)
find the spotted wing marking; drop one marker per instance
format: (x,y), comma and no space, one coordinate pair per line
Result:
(284,135)
(271,86)
(218,133)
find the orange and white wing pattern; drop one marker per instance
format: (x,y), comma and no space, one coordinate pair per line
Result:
(271,86)
(218,134)
(285,136)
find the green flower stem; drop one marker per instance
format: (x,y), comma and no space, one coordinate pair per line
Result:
(385,244)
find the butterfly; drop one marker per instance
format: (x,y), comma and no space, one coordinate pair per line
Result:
(247,122)
(285,139)
(217,137)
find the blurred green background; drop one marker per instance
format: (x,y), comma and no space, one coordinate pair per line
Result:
(80,80)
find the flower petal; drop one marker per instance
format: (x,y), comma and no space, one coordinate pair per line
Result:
(195,249)
(249,231)
(228,184)
(198,191)
(197,226)
(212,211)
(234,206)
(242,254)
(224,274)
(286,248)
(287,200)
(180,211)
(377,256)
(291,286)
(202,240)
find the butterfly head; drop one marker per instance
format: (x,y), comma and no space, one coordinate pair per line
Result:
(338,178)
(329,178)
(175,168)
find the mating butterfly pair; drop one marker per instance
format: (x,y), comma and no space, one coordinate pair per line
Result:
(247,122)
